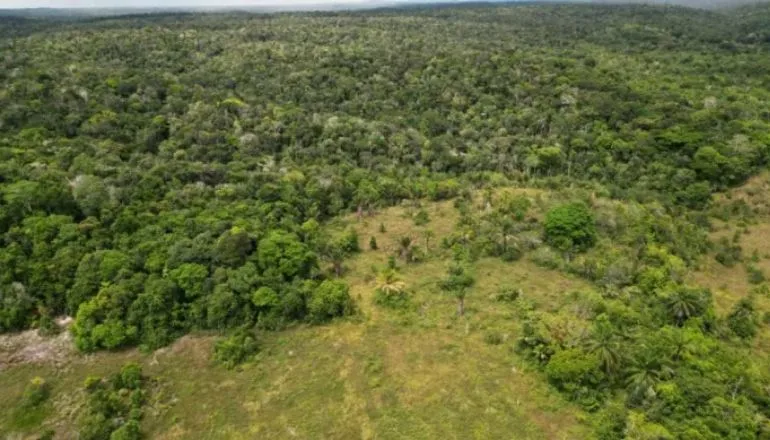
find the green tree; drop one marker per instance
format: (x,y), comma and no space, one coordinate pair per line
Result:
(457,283)
(743,318)
(91,194)
(570,227)
(606,345)
(329,300)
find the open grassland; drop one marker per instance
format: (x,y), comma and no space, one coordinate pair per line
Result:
(729,284)
(752,230)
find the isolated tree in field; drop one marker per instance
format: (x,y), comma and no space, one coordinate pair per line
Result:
(390,283)
(457,283)
(570,228)
(391,290)
(405,250)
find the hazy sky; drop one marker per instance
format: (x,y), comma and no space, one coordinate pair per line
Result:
(162,3)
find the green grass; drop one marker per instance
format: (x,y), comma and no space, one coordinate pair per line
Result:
(421,373)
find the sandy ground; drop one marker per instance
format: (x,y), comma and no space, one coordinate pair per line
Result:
(29,347)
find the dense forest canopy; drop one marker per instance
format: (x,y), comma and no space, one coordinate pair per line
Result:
(167,173)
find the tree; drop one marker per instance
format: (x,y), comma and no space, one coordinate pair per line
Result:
(456,283)
(605,344)
(282,255)
(405,250)
(570,227)
(191,277)
(647,370)
(372,243)
(742,319)
(335,253)
(329,300)
(90,193)
(391,289)
(685,303)
(233,247)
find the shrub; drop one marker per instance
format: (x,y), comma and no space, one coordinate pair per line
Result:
(577,374)
(129,431)
(547,258)
(727,254)
(756,276)
(330,299)
(130,377)
(349,241)
(493,338)
(113,412)
(510,253)
(743,319)
(235,349)
(48,434)
(508,294)
(421,218)
(373,243)
(36,392)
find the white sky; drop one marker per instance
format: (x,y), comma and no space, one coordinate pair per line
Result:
(165,3)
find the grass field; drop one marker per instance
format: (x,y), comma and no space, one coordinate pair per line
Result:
(419,373)
(730,284)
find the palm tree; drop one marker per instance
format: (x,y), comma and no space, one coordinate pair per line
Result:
(390,284)
(684,304)
(605,343)
(680,340)
(646,372)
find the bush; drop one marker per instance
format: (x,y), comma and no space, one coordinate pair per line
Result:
(421,218)
(330,299)
(349,242)
(113,412)
(727,254)
(493,338)
(36,392)
(373,243)
(129,431)
(391,299)
(577,374)
(510,253)
(48,434)
(756,276)
(508,294)
(743,319)
(130,377)
(235,349)
(570,227)
(547,258)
